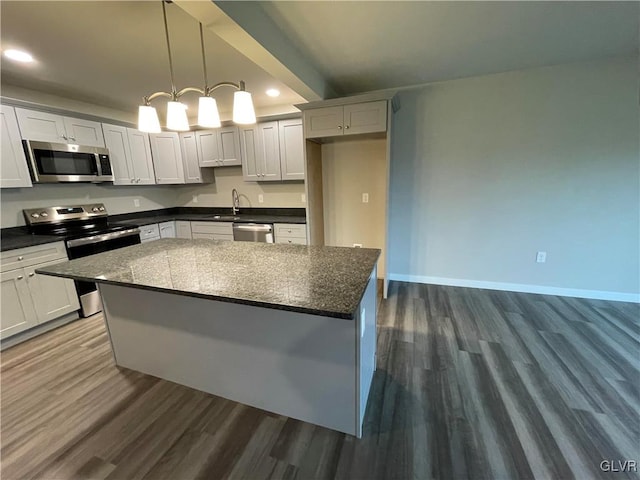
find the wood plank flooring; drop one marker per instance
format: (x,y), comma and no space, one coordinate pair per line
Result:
(470,384)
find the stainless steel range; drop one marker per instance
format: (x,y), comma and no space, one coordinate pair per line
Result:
(86,231)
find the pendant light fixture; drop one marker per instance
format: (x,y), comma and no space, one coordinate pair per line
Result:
(208,115)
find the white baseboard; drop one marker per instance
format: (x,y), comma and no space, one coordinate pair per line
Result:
(518,287)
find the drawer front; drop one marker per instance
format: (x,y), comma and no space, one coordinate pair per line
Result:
(149,231)
(24,257)
(290,230)
(213,236)
(292,240)
(223,228)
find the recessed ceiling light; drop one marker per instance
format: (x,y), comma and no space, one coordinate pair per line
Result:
(18,55)
(272,92)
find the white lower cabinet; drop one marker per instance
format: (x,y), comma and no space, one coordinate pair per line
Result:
(167,229)
(149,233)
(183,229)
(293,233)
(212,230)
(29,299)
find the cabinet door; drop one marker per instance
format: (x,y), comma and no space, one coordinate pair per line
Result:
(229,146)
(141,160)
(183,229)
(323,122)
(270,152)
(250,146)
(17,311)
(84,132)
(208,153)
(41,126)
(365,117)
(167,158)
(167,229)
(52,297)
(117,141)
(13,163)
(190,157)
(291,149)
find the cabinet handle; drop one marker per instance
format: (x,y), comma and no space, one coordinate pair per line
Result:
(21,258)
(289,241)
(339,127)
(64,136)
(133,180)
(347,127)
(73,139)
(32,274)
(20,277)
(289,231)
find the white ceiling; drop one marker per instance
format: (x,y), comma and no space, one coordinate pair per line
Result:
(112,53)
(364,46)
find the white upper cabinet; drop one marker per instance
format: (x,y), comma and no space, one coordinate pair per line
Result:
(324,122)
(116,140)
(48,127)
(367,117)
(291,149)
(192,171)
(273,151)
(13,163)
(130,155)
(351,119)
(270,152)
(141,157)
(167,157)
(84,132)
(220,147)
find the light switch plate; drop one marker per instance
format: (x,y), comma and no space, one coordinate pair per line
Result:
(136,202)
(365,198)
(303,198)
(260,198)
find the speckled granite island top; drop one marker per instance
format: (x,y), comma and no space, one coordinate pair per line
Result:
(328,281)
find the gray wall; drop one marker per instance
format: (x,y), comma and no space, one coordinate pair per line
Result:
(487,171)
(117,199)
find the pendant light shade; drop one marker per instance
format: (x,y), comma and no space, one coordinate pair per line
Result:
(148,119)
(177,116)
(243,112)
(208,115)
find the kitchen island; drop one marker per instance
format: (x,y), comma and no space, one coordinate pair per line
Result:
(286,328)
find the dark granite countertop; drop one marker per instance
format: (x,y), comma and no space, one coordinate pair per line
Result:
(328,281)
(19,237)
(199,217)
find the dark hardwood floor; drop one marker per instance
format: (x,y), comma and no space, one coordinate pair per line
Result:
(470,384)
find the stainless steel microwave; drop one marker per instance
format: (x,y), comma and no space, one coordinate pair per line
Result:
(61,162)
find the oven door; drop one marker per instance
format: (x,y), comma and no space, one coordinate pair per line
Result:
(83,247)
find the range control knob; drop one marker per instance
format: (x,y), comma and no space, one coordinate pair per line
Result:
(94,209)
(44,214)
(35,215)
(101,209)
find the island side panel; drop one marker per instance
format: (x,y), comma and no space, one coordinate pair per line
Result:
(366,346)
(298,365)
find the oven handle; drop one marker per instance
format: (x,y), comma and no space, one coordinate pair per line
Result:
(102,238)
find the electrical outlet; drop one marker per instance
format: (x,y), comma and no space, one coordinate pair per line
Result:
(260,198)
(136,202)
(357,245)
(365,198)
(195,199)
(303,198)
(541,257)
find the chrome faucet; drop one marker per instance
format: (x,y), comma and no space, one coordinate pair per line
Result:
(235,200)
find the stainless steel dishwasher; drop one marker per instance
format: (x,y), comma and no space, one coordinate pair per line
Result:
(253,232)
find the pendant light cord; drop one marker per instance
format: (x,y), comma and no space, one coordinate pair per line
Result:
(204,62)
(166,31)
